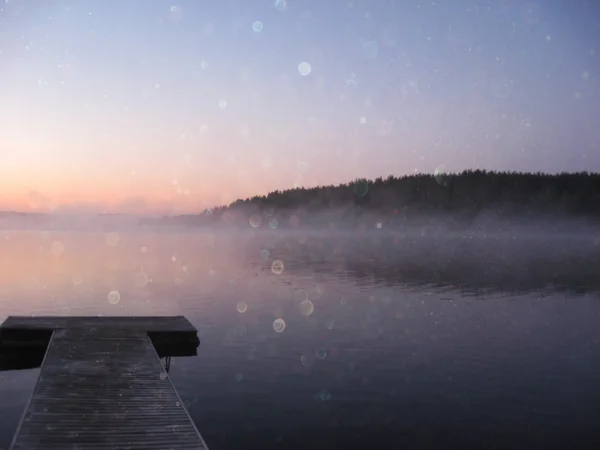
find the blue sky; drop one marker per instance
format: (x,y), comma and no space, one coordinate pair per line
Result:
(137,106)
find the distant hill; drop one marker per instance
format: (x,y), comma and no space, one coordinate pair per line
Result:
(458,197)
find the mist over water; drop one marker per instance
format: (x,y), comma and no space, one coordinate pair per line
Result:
(324,338)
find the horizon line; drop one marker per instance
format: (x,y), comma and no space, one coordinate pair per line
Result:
(436,172)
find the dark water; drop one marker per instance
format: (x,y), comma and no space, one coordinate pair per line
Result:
(390,341)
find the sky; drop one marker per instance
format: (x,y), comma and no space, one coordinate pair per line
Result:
(153,107)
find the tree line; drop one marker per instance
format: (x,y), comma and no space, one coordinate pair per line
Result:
(459,195)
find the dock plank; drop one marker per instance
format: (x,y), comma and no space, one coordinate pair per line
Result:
(143,323)
(104,388)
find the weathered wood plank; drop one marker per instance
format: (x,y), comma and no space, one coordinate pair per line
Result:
(23,340)
(143,323)
(104,388)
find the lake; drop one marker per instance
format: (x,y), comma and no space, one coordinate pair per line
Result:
(358,340)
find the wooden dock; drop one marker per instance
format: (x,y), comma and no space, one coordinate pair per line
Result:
(102,386)
(24,340)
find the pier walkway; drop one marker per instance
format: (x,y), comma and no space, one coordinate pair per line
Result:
(102,385)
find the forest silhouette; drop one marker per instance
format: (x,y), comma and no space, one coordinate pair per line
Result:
(459,197)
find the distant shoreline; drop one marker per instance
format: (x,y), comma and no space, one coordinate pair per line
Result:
(493,199)
(440,201)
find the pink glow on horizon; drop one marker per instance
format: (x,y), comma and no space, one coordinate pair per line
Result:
(103,107)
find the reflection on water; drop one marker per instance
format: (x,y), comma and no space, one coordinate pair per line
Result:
(359,341)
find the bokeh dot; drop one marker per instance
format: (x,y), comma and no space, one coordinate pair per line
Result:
(114,297)
(255,220)
(361,188)
(140,279)
(281,5)
(321,354)
(279,325)
(307,360)
(306,307)
(329,323)
(304,68)
(277,267)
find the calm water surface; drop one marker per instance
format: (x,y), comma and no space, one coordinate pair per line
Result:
(358,341)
